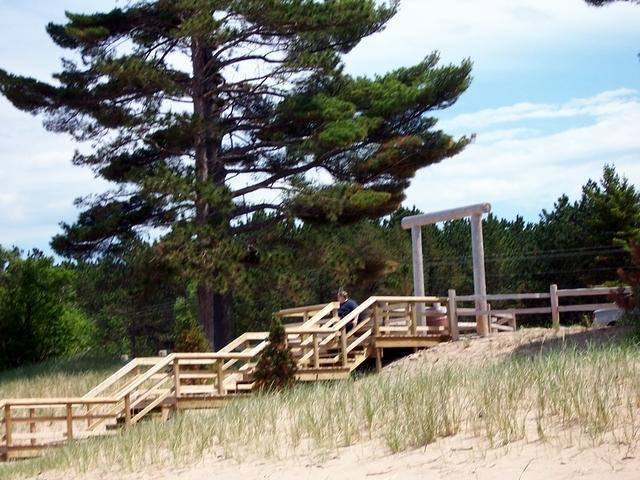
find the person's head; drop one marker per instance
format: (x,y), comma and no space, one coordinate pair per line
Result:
(342,296)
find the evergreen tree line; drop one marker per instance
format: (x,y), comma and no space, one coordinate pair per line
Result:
(137,302)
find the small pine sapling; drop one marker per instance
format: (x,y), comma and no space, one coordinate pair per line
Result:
(276,369)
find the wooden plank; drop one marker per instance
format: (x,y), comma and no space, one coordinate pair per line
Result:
(57,402)
(146,376)
(452,315)
(42,436)
(504,297)
(555,310)
(8,427)
(127,410)
(502,328)
(377,318)
(69,421)
(57,418)
(149,407)
(445,215)
(299,311)
(343,346)
(141,397)
(221,390)
(176,377)
(414,321)
(409,342)
(113,379)
(359,341)
(32,424)
(586,308)
(316,351)
(479,283)
(393,328)
(234,344)
(417,261)
(584,292)
(185,358)
(414,299)
(519,311)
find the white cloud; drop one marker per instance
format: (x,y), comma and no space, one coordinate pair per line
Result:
(496,34)
(38,181)
(606,104)
(522,173)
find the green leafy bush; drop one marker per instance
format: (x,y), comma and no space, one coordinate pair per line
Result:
(39,318)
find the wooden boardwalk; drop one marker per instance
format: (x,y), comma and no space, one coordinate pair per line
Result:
(322,346)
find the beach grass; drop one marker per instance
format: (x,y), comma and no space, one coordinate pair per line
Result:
(589,394)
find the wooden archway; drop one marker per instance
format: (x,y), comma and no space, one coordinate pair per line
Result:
(415,223)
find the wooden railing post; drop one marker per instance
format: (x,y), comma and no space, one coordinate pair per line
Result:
(127,410)
(69,421)
(8,426)
(176,378)
(220,364)
(376,320)
(555,308)
(452,315)
(343,341)
(32,424)
(316,352)
(414,318)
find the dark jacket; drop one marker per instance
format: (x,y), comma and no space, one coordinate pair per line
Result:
(347,307)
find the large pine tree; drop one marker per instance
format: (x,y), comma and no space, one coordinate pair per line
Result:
(206,113)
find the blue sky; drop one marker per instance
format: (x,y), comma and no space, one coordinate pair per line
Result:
(555,96)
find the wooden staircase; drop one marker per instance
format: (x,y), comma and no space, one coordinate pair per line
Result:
(321,344)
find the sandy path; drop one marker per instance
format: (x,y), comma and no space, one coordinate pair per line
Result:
(452,458)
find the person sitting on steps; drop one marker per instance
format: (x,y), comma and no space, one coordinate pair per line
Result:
(347,305)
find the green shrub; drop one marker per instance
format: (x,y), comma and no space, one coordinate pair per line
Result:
(38,314)
(276,368)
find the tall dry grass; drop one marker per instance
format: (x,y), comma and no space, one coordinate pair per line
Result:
(70,377)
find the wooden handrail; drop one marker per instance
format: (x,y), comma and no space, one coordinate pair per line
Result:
(586,292)
(296,311)
(506,296)
(212,355)
(56,402)
(112,379)
(351,316)
(145,376)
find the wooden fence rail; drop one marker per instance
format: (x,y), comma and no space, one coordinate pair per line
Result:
(554,309)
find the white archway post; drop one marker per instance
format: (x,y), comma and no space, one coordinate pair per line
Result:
(416,222)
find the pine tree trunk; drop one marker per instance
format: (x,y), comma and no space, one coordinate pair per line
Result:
(214,309)
(222,320)
(205,312)
(214,314)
